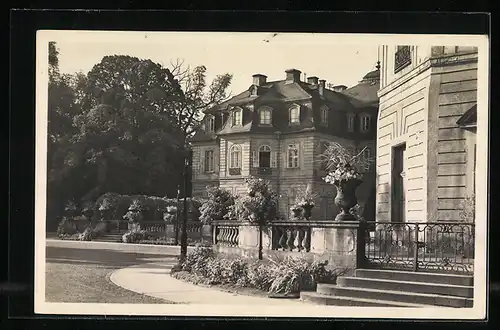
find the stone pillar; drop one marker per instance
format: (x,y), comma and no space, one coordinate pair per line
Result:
(338,242)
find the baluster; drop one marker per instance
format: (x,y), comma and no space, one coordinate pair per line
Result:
(282,240)
(291,238)
(307,239)
(220,238)
(300,238)
(236,236)
(232,235)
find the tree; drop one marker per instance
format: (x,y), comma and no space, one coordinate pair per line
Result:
(197,96)
(189,108)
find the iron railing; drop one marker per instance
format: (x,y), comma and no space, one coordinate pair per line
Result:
(425,246)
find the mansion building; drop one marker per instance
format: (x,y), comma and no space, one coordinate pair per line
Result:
(277,130)
(426,132)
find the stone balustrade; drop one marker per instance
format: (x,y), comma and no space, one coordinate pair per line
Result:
(332,240)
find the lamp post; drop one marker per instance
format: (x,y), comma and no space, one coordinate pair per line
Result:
(176,242)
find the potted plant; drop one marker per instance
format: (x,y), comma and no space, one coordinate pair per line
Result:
(306,201)
(343,168)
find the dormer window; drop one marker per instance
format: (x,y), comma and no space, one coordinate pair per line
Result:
(350,122)
(294,116)
(265,116)
(210,124)
(365,123)
(324,115)
(237,117)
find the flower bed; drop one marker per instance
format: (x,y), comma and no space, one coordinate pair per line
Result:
(288,275)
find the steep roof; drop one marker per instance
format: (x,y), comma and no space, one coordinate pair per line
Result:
(365,92)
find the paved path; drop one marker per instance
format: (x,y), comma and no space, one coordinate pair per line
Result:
(148,272)
(153,279)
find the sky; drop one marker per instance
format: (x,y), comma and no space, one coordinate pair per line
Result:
(340,61)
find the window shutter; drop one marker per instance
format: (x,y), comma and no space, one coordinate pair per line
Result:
(274,159)
(216,163)
(285,158)
(255,159)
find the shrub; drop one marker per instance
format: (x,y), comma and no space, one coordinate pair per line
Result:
(86,235)
(217,206)
(289,275)
(133,236)
(259,205)
(66,227)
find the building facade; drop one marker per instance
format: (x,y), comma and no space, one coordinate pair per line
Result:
(277,130)
(426,133)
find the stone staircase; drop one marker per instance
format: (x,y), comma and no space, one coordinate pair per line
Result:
(392,288)
(109,237)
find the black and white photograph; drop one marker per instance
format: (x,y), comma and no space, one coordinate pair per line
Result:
(261,174)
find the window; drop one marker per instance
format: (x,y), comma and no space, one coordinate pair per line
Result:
(402,58)
(295,114)
(265,156)
(350,122)
(210,124)
(209,161)
(324,116)
(265,116)
(293,156)
(367,154)
(365,123)
(235,156)
(237,117)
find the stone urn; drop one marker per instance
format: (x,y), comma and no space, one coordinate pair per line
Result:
(346,198)
(296,212)
(307,211)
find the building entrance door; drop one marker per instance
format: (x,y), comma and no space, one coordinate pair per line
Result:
(398,198)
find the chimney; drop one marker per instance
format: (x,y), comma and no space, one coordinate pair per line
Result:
(292,75)
(339,88)
(259,79)
(321,89)
(312,80)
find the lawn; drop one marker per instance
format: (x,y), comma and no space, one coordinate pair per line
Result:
(74,279)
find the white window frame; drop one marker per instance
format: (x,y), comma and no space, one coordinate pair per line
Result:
(262,120)
(209,161)
(351,121)
(292,115)
(365,123)
(293,160)
(210,122)
(239,112)
(324,115)
(235,162)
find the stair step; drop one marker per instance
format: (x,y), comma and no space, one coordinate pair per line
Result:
(323,299)
(465,280)
(399,296)
(407,286)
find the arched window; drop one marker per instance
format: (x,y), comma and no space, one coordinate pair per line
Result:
(265,116)
(294,114)
(293,156)
(235,156)
(237,114)
(324,115)
(365,123)
(350,122)
(210,124)
(264,156)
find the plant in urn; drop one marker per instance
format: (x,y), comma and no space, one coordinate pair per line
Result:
(305,201)
(343,172)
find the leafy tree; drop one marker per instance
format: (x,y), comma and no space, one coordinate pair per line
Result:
(197,96)
(217,205)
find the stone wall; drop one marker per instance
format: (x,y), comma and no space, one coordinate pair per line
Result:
(457,93)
